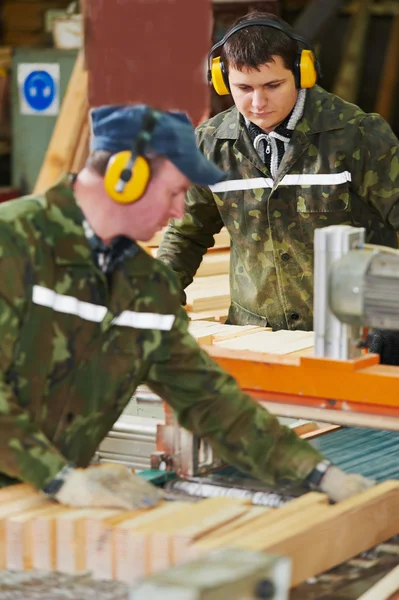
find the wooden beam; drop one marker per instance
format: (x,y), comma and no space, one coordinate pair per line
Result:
(7,509)
(82,150)
(334,534)
(330,416)
(387,87)
(311,501)
(347,81)
(19,536)
(67,131)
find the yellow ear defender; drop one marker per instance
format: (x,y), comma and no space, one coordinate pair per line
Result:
(128,172)
(306,67)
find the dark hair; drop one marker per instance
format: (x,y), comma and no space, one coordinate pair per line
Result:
(99,159)
(256,45)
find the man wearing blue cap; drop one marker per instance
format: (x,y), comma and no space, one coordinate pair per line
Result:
(87,315)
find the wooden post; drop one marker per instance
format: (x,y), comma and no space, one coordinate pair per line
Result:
(67,131)
(387,86)
(347,82)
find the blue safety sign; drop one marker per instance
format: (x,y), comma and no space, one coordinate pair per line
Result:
(39,88)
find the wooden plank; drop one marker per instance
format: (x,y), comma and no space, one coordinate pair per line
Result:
(71,539)
(12,508)
(303,352)
(304,428)
(13,492)
(362,521)
(208,293)
(100,557)
(330,416)
(311,435)
(210,332)
(311,501)
(220,331)
(274,342)
(131,559)
(214,263)
(384,588)
(66,135)
(44,546)
(214,315)
(82,150)
(179,541)
(19,536)
(160,537)
(142,547)
(239,331)
(252,513)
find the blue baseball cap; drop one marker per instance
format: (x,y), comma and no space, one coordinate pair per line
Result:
(115,128)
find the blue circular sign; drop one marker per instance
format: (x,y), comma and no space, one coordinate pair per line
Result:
(39,90)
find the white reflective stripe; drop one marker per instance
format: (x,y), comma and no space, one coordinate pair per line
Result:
(96,313)
(68,304)
(290,180)
(242,184)
(318,179)
(138,320)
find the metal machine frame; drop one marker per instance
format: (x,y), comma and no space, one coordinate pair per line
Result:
(339,385)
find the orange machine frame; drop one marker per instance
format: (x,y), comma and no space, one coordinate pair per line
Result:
(358,391)
(353,392)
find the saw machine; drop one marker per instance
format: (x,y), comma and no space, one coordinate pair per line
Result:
(356,286)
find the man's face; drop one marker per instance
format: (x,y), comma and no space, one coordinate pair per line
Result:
(163,200)
(266,95)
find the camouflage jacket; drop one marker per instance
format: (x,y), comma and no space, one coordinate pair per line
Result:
(341,167)
(75,345)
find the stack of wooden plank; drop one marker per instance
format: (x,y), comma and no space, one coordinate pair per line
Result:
(208,297)
(24,21)
(250,337)
(126,545)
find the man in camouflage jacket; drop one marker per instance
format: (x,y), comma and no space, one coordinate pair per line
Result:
(299,159)
(86,315)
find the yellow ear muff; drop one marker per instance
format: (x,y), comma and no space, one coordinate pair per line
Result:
(133,189)
(218,79)
(307,69)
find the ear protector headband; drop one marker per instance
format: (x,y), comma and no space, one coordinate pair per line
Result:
(129,173)
(306,67)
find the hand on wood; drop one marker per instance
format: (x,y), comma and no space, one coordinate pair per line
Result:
(107,485)
(339,485)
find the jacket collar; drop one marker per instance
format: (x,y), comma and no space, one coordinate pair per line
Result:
(71,246)
(322,112)
(69,240)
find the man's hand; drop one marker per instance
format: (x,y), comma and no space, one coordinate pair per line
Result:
(107,485)
(339,485)
(385,343)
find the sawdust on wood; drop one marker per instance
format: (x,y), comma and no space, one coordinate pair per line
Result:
(38,585)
